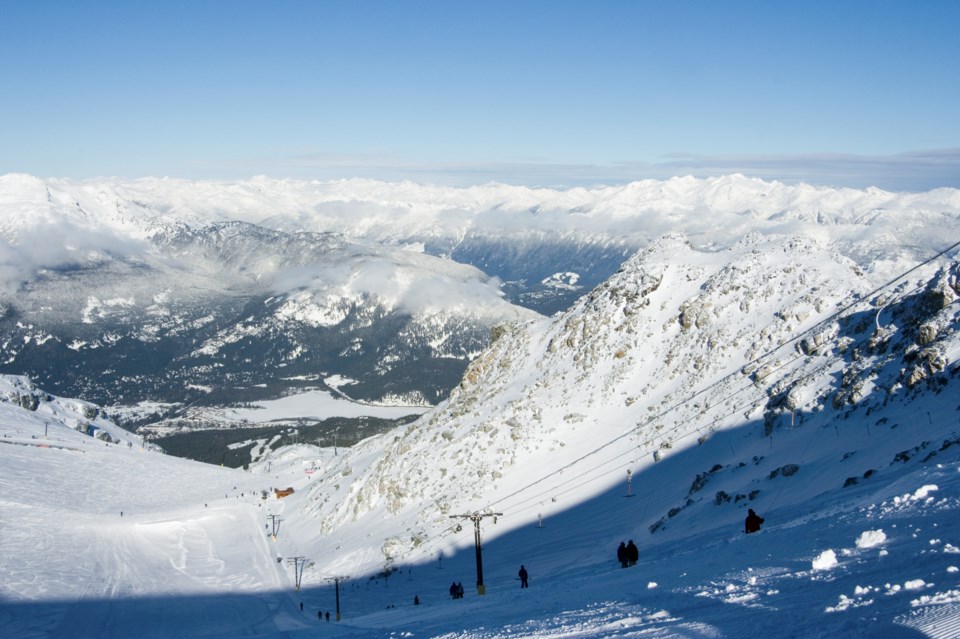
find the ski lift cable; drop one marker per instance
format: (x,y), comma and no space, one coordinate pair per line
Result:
(553,489)
(818,325)
(628,453)
(831,318)
(799,355)
(865,297)
(687,432)
(645,423)
(734,410)
(555,492)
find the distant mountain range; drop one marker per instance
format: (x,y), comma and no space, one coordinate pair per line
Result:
(213,293)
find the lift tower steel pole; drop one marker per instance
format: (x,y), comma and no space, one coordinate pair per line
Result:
(476,518)
(336,582)
(297,563)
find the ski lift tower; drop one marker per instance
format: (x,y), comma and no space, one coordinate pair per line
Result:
(336,582)
(297,563)
(476,518)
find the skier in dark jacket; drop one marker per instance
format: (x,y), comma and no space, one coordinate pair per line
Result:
(622,555)
(633,553)
(523,577)
(752,523)
(453,590)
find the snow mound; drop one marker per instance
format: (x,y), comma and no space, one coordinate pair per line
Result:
(871,538)
(825,560)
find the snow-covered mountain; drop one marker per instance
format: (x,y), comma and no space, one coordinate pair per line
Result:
(775,374)
(109,303)
(514,233)
(199,292)
(679,345)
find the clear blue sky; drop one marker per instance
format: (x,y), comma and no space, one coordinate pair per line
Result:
(559,93)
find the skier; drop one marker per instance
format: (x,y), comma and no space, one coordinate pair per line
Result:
(459,590)
(633,553)
(622,555)
(319,615)
(416,600)
(453,590)
(752,523)
(523,577)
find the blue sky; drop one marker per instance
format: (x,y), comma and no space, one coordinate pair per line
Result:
(553,93)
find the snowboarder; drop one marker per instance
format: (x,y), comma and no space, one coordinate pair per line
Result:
(523,577)
(752,523)
(622,555)
(633,553)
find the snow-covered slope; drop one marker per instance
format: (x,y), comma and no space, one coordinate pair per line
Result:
(91,523)
(657,356)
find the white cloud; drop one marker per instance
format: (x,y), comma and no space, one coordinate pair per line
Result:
(920,170)
(58,246)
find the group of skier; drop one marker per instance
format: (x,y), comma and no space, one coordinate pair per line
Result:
(456,588)
(627,554)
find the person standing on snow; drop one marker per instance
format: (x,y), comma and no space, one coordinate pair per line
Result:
(622,555)
(633,553)
(752,523)
(523,577)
